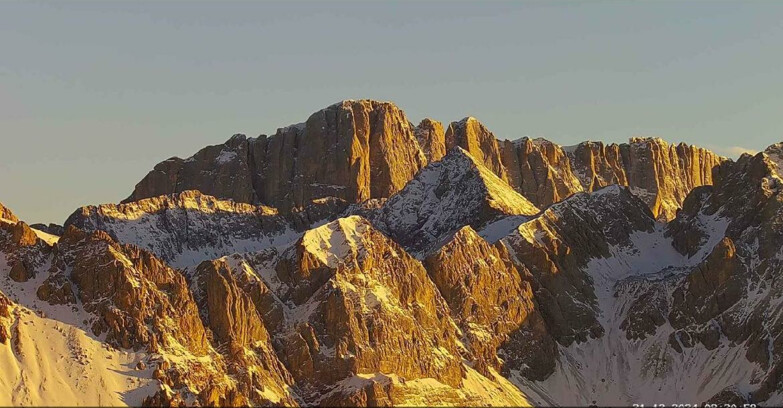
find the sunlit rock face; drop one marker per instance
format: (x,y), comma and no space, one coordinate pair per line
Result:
(6,214)
(472,136)
(352,150)
(432,139)
(540,170)
(492,301)
(365,149)
(660,174)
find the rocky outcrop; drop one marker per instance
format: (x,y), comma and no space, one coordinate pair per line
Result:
(479,142)
(24,252)
(6,214)
(121,285)
(444,197)
(229,310)
(432,139)
(371,147)
(52,229)
(540,170)
(710,289)
(374,151)
(364,303)
(187,228)
(5,314)
(492,302)
(662,175)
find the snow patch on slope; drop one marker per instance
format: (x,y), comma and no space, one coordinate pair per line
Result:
(333,242)
(46,237)
(225,156)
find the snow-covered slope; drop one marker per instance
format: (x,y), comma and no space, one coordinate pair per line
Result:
(684,312)
(51,359)
(614,370)
(446,196)
(187,228)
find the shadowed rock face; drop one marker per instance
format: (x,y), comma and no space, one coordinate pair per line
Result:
(353,150)
(737,294)
(51,228)
(730,297)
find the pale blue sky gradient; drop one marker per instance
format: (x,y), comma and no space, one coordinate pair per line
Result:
(92,94)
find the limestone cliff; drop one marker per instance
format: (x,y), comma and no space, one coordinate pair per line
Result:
(479,142)
(492,301)
(353,150)
(360,150)
(659,173)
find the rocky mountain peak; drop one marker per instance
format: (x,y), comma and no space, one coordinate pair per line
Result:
(478,141)
(332,243)
(190,227)
(445,196)
(659,173)
(371,145)
(6,214)
(359,259)
(432,139)
(775,154)
(374,151)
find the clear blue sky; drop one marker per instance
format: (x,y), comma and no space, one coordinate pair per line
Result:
(92,94)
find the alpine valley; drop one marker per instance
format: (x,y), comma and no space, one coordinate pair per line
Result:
(358,259)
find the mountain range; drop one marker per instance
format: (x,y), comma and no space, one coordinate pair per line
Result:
(358,259)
